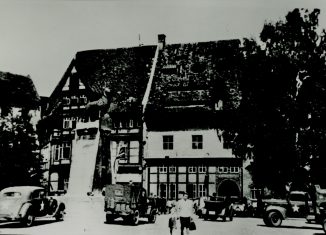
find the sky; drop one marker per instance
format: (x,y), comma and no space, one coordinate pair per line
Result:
(39,38)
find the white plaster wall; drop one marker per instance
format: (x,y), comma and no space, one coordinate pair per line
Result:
(182,145)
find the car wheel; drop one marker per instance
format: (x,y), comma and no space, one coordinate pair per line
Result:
(205,216)
(28,219)
(324,225)
(109,218)
(274,219)
(266,221)
(60,215)
(135,218)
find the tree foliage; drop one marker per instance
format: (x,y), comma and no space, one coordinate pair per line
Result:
(283,91)
(20,162)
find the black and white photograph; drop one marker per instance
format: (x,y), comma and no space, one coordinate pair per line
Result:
(162,117)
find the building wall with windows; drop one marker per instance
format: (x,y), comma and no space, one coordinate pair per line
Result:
(193,161)
(189,143)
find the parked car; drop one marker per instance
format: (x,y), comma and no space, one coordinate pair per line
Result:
(128,202)
(297,205)
(218,207)
(25,203)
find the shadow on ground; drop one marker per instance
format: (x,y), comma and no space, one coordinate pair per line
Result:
(9,224)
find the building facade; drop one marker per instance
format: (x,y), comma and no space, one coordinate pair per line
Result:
(158,115)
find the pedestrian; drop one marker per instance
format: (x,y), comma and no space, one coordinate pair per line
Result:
(173,219)
(185,212)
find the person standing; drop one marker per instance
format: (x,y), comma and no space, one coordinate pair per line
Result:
(185,212)
(173,219)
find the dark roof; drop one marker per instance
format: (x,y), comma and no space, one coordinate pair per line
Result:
(195,75)
(125,71)
(18,91)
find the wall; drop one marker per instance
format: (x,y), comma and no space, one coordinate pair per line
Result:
(182,145)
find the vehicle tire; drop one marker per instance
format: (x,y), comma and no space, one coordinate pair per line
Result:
(205,216)
(224,218)
(60,215)
(274,218)
(109,218)
(152,218)
(28,220)
(266,221)
(324,225)
(135,218)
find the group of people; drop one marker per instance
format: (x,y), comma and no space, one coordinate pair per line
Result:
(182,211)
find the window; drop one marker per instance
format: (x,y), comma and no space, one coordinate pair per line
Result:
(131,123)
(66,151)
(192,169)
(172,169)
(194,191)
(12,194)
(234,169)
(61,151)
(197,142)
(56,152)
(202,169)
(66,123)
(83,99)
(162,169)
(201,190)
(172,191)
(128,151)
(223,169)
(134,152)
(69,122)
(66,101)
(74,101)
(168,142)
(163,190)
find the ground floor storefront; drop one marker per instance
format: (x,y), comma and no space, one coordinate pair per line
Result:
(198,177)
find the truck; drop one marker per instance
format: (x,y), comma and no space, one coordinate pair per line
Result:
(128,202)
(218,207)
(298,204)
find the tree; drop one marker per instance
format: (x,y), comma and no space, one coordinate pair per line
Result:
(20,162)
(275,108)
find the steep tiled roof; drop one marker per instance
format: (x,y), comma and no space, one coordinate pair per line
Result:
(125,71)
(195,76)
(17,90)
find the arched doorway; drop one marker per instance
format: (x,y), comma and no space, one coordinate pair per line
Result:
(228,188)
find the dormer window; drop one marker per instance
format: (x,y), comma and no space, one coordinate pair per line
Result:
(131,123)
(170,69)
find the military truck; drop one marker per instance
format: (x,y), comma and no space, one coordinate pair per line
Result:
(218,207)
(298,204)
(128,202)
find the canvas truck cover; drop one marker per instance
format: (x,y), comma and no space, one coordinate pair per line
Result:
(121,194)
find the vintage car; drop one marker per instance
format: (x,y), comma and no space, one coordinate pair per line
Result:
(297,205)
(218,207)
(240,207)
(25,203)
(128,202)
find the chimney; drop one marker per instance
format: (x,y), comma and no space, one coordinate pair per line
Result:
(161,41)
